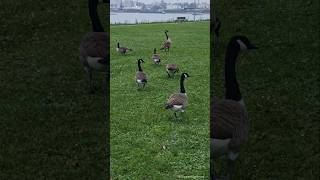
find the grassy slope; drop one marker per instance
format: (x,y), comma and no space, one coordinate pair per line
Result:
(279,83)
(50,127)
(140,126)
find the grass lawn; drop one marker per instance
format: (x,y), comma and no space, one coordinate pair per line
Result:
(146,142)
(51,128)
(279,83)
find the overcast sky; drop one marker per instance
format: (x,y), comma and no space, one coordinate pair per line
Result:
(167,1)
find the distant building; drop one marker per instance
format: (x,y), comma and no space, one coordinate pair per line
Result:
(174,6)
(204,5)
(158,6)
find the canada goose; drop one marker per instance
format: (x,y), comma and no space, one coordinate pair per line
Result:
(122,50)
(229,119)
(156,57)
(141,77)
(178,101)
(167,43)
(94,48)
(171,69)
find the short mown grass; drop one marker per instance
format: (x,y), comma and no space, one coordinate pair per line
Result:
(50,127)
(279,83)
(146,141)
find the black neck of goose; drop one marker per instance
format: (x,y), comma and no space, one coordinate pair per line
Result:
(118,45)
(139,66)
(182,90)
(232,86)
(95,20)
(154,51)
(166,35)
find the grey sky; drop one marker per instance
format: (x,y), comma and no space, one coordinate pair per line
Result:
(167,1)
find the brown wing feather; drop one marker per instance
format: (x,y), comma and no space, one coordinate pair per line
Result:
(171,66)
(229,119)
(95,44)
(141,75)
(178,99)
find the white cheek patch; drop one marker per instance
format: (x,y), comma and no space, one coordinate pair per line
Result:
(220,147)
(242,45)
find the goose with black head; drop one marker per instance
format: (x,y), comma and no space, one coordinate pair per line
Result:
(141,77)
(94,48)
(167,43)
(156,57)
(178,101)
(122,50)
(229,118)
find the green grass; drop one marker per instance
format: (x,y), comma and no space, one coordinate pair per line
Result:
(51,128)
(140,126)
(279,83)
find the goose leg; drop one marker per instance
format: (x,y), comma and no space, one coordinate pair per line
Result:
(168,74)
(175,115)
(90,81)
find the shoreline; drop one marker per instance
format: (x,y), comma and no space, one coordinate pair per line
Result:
(160,22)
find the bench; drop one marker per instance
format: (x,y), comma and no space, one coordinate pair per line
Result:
(180,19)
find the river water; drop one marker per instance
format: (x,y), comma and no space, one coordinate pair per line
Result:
(133,18)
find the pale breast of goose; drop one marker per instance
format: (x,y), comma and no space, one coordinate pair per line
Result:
(156,57)
(93,49)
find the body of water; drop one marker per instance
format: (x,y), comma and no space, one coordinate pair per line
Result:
(133,18)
